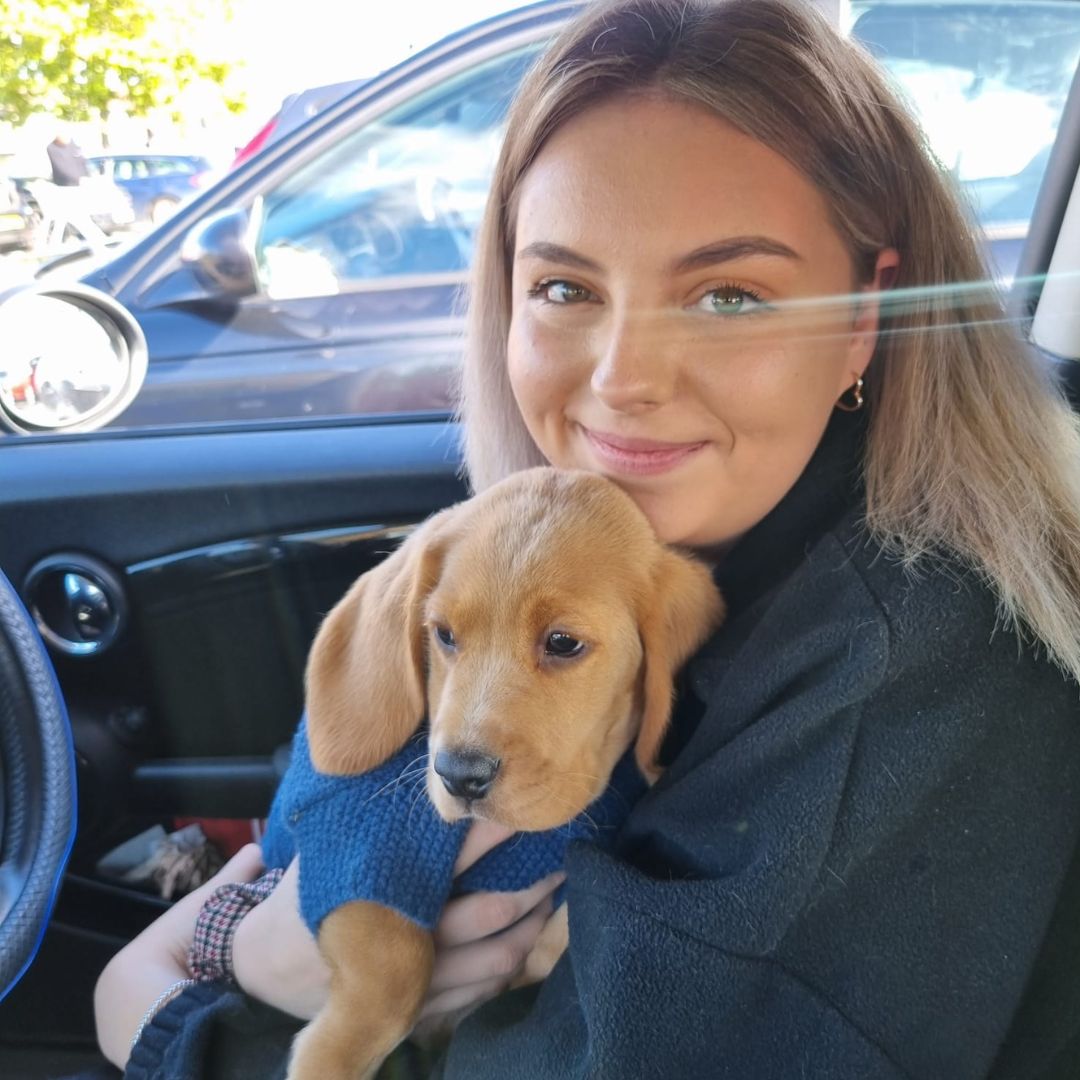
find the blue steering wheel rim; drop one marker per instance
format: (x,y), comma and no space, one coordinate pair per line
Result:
(38,802)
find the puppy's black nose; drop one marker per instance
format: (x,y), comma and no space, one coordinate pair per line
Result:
(468,774)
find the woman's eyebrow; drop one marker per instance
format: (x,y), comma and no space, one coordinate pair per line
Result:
(735,247)
(556,253)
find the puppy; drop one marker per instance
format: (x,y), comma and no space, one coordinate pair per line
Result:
(538,628)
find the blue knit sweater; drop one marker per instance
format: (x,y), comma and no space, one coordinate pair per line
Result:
(376,836)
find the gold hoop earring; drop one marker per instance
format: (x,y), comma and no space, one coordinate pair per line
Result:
(851,400)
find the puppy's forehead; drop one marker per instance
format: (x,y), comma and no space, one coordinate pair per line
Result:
(546,515)
(550,531)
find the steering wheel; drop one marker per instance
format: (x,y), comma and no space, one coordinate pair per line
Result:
(37,788)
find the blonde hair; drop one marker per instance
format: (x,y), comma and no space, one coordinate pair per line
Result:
(970,448)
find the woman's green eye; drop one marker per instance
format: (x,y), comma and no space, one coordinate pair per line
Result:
(730,300)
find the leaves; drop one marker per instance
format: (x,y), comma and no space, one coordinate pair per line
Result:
(72,58)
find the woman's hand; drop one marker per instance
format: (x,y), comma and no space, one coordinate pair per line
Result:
(155,960)
(481,941)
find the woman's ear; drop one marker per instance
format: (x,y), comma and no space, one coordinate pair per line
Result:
(685,608)
(864,331)
(366,673)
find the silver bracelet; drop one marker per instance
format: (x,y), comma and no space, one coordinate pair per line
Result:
(159,1003)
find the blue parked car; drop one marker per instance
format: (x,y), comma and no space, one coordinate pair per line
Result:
(155,183)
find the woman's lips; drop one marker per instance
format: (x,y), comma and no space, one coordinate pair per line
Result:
(642,457)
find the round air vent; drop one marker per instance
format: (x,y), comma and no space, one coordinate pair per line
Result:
(77,602)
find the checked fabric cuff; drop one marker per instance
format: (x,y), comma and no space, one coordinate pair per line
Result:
(210,956)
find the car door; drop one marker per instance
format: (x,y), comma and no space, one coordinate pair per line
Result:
(211,558)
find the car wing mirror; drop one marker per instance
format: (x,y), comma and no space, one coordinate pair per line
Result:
(71,359)
(220,250)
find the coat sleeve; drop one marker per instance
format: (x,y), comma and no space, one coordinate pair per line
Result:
(847,871)
(213,1031)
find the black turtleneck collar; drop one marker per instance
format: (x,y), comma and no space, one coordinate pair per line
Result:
(830,485)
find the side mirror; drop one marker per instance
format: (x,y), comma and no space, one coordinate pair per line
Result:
(221,252)
(71,359)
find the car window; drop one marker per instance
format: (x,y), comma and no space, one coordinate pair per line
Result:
(988,82)
(129,169)
(169,166)
(360,247)
(401,197)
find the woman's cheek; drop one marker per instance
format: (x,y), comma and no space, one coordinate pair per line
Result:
(744,386)
(531,386)
(542,365)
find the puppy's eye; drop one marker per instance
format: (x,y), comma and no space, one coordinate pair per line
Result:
(563,645)
(446,637)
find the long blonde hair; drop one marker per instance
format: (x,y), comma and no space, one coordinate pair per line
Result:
(970,446)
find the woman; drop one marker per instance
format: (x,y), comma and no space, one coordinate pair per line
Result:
(719,266)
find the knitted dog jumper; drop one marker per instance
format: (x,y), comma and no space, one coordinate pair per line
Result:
(376,836)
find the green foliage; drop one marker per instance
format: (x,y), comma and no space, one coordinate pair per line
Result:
(73,58)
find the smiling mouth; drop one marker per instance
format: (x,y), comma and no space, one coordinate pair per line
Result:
(641,457)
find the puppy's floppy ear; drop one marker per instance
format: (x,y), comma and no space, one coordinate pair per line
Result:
(685,608)
(366,670)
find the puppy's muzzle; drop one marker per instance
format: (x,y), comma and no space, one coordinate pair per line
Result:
(466,774)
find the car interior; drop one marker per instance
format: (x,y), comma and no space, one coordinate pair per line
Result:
(177,576)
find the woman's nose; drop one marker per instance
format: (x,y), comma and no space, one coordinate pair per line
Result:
(635,369)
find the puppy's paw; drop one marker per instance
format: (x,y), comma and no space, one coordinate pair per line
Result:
(318,1055)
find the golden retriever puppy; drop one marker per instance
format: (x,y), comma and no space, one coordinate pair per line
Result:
(538,628)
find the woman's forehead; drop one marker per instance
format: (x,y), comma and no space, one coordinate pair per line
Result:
(645,171)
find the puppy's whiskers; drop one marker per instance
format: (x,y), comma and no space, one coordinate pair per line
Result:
(415,768)
(420,792)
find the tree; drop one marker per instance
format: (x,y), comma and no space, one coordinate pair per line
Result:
(72,59)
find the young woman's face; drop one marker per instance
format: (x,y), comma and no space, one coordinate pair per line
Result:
(669,327)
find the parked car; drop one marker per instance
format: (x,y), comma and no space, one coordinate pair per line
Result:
(18,216)
(179,572)
(295,110)
(156,184)
(23,193)
(320,277)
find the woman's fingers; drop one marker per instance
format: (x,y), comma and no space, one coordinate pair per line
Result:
(474,971)
(478,915)
(461,997)
(245,865)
